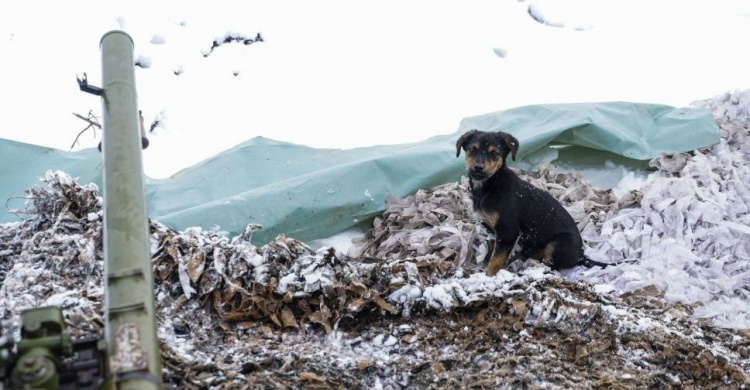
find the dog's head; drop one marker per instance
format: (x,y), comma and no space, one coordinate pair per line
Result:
(486,151)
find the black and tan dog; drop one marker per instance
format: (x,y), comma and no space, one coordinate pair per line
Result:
(515,209)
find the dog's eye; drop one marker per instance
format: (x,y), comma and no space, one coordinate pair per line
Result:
(494,154)
(474,149)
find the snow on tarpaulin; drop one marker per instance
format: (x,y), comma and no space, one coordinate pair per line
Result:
(311,193)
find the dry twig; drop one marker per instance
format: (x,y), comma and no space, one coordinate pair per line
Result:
(92,120)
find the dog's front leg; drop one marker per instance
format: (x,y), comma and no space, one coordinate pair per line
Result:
(499,257)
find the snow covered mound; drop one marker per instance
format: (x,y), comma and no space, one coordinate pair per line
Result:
(690,231)
(55,257)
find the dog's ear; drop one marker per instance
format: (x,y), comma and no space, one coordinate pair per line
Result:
(509,141)
(462,140)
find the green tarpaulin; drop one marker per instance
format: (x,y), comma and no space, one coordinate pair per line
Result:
(310,193)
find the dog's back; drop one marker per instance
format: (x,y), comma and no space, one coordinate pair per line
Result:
(544,221)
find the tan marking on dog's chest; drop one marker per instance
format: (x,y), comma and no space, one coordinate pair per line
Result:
(490,217)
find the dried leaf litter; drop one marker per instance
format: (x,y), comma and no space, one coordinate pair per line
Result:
(409,307)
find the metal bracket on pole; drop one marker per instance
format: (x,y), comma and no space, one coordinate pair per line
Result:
(83,83)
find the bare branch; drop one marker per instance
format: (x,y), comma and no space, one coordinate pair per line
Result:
(91,119)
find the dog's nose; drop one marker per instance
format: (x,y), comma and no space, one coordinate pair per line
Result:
(477,168)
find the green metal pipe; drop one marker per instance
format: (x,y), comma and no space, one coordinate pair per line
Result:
(132,344)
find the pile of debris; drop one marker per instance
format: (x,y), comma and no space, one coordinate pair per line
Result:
(690,227)
(231,314)
(55,257)
(438,222)
(407,310)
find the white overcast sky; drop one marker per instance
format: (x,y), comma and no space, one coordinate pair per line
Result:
(343,73)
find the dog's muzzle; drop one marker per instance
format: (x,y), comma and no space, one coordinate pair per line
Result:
(477,172)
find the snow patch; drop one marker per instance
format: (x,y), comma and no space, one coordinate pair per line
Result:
(143,61)
(500,52)
(158,39)
(574,14)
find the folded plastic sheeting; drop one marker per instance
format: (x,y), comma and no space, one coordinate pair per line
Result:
(310,193)
(23,165)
